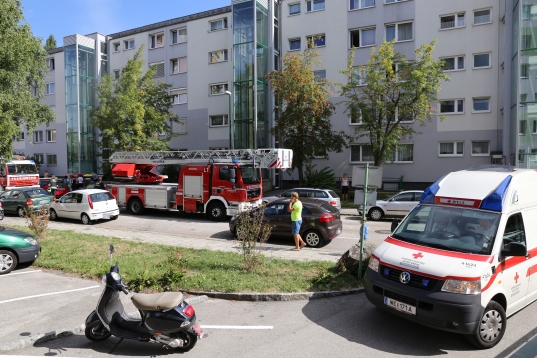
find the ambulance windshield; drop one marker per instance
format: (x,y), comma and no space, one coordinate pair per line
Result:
(450,228)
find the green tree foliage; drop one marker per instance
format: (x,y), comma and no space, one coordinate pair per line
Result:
(323,178)
(389,91)
(133,110)
(304,110)
(22,71)
(51,43)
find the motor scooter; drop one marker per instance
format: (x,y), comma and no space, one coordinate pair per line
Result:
(164,317)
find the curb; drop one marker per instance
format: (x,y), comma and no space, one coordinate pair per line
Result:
(60,333)
(260,296)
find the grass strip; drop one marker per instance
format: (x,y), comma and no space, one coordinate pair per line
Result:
(150,267)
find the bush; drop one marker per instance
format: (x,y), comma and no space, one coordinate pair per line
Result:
(252,233)
(323,178)
(38,222)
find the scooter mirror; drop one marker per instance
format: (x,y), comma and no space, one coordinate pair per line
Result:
(111,249)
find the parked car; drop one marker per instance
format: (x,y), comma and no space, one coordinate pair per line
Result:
(86,205)
(16,247)
(321,221)
(22,201)
(322,194)
(61,187)
(398,205)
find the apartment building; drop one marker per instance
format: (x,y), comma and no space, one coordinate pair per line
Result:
(216,62)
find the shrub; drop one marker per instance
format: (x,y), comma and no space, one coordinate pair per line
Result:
(38,222)
(252,233)
(323,178)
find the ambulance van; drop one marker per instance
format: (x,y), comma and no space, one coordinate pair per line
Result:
(465,258)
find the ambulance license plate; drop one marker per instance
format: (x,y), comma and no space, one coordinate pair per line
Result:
(400,306)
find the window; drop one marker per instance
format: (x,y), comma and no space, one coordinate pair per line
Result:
(51,135)
(452,106)
(53,109)
(219,121)
(453,63)
(219,24)
(449,149)
(38,137)
(399,32)
(480,148)
(179,95)
(104,48)
(361,4)
(362,153)
(481,104)
(159,69)
(179,65)
(534,128)
(523,127)
(359,75)
(39,158)
(363,37)
(115,46)
(404,153)
(218,56)
(294,9)
(116,74)
(528,11)
(20,137)
(482,17)
(50,88)
(178,36)
(52,159)
(452,21)
(482,60)
(294,44)
(129,44)
(317,40)
(321,74)
(218,89)
(179,127)
(315,5)
(394,1)
(157,40)
(514,231)
(356,117)
(50,64)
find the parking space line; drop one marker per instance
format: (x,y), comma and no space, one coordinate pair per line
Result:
(20,273)
(237,327)
(48,294)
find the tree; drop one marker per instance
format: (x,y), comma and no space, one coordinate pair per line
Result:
(303,110)
(22,71)
(51,43)
(134,113)
(390,94)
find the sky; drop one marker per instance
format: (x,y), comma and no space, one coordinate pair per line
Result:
(67,17)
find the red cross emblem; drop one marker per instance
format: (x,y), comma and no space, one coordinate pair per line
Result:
(516,278)
(417,256)
(449,201)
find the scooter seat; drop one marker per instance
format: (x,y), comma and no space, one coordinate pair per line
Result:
(156,301)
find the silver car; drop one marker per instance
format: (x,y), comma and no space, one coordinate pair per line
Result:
(322,194)
(398,205)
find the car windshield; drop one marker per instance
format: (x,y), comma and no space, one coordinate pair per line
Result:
(21,169)
(104,196)
(34,193)
(250,175)
(450,228)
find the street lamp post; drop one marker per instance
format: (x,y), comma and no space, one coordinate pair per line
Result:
(231,122)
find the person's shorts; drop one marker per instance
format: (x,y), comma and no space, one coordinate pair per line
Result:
(344,190)
(296,227)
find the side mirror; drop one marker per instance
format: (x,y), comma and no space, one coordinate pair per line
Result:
(514,249)
(232,175)
(395,223)
(56,200)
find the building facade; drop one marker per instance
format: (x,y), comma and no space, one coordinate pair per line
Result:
(216,62)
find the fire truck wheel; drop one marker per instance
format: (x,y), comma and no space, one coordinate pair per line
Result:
(217,211)
(135,206)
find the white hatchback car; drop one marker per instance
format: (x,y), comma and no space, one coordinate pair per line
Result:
(86,205)
(397,206)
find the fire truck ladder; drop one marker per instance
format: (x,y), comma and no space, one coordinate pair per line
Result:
(273,158)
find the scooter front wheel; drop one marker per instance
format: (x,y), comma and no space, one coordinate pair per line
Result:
(96,331)
(189,341)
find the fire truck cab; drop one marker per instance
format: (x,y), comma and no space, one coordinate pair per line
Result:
(18,173)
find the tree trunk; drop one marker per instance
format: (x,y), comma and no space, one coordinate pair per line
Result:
(300,174)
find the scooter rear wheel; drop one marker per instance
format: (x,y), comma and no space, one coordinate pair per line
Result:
(96,331)
(189,341)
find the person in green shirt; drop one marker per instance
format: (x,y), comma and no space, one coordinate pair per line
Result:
(295,208)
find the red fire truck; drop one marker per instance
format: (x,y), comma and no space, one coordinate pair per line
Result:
(215,182)
(18,173)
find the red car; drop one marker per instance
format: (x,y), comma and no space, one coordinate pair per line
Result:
(61,187)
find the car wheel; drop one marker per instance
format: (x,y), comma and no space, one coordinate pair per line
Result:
(216,211)
(114,217)
(52,215)
(136,207)
(491,328)
(85,219)
(8,261)
(96,331)
(21,212)
(313,238)
(375,214)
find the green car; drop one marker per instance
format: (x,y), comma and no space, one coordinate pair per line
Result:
(16,247)
(21,201)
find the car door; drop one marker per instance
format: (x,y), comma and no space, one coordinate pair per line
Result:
(65,206)
(5,199)
(76,206)
(400,205)
(271,216)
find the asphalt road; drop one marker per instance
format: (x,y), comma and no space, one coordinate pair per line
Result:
(346,326)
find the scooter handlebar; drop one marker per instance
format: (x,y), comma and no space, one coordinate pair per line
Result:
(123,289)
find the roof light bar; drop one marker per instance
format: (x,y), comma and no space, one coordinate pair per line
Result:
(494,200)
(429,194)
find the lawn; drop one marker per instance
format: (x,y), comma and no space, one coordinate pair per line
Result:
(151,267)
